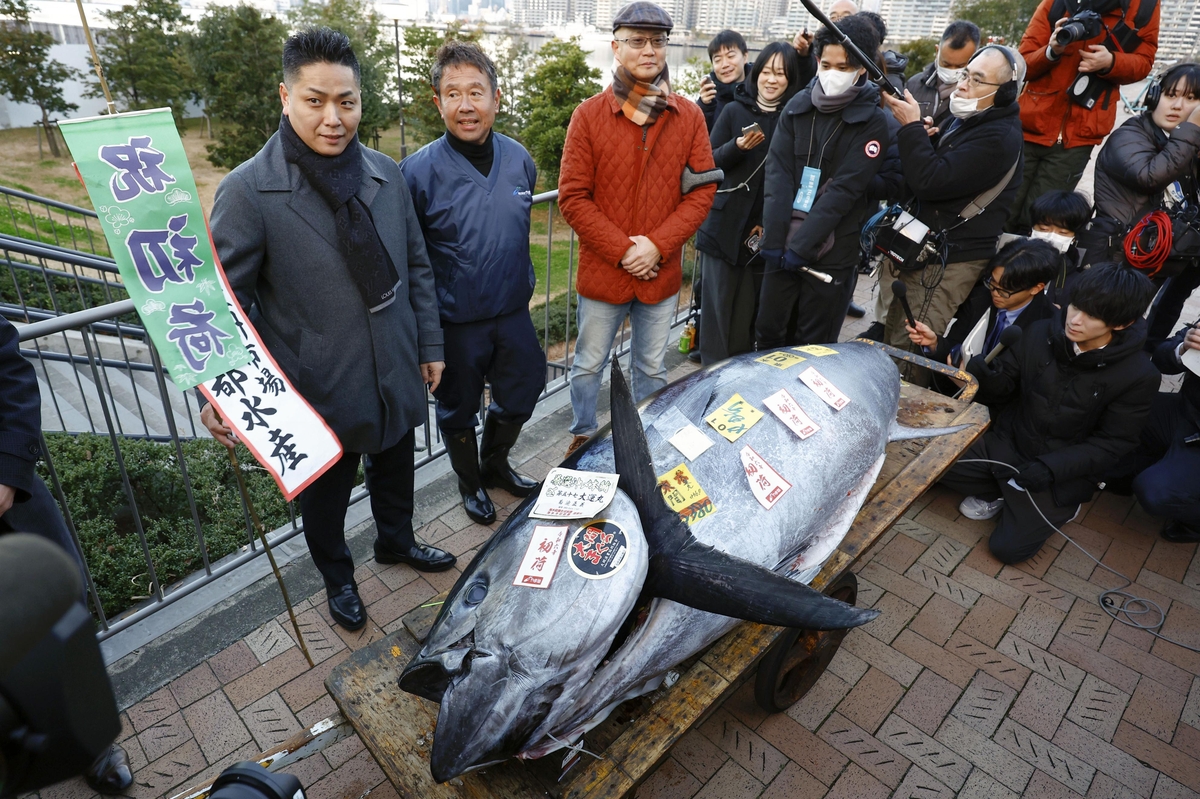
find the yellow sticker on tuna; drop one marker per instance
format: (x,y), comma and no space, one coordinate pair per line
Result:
(815,349)
(780,360)
(734,418)
(684,495)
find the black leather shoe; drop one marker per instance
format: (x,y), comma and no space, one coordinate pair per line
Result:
(874,332)
(1179,533)
(464,459)
(110,774)
(421,557)
(346,608)
(856,311)
(495,470)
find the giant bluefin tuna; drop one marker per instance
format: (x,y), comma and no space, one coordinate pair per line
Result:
(525,671)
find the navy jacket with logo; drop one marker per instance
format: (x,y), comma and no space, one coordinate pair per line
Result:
(476,228)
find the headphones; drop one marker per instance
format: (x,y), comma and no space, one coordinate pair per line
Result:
(1153,95)
(1006,93)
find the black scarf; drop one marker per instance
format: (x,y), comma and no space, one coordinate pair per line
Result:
(337,179)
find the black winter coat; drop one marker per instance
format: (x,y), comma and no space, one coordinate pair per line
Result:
(1138,162)
(1168,364)
(725,94)
(1078,414)
(946,173)
(20,415)
(848,147)
(722,233)
(978,303)
(924,87)
(888,184)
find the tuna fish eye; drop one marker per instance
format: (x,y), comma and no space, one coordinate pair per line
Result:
(475,594)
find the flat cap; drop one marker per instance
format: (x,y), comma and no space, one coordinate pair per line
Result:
(644,15)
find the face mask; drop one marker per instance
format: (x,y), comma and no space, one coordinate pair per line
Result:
(947,75)
(834,82)
(1056,240)
(964,107)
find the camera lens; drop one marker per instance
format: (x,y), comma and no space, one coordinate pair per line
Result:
(249,780)
(1071,32)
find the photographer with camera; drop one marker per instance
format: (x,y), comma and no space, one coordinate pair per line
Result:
(1078,52)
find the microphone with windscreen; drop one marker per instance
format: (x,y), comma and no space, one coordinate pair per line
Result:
(1009,337)
(901,292)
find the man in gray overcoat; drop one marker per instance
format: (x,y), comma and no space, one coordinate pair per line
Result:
(317,234)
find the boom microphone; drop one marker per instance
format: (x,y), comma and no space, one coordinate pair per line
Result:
(901,292)
(1008,338)
(872,68)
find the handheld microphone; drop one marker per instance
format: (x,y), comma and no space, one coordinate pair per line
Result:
(1008,338)
(901,292)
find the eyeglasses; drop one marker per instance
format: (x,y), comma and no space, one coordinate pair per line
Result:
(638,42)
(974,82)
(990,285)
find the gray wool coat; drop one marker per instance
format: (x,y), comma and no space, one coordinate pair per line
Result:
(275,237)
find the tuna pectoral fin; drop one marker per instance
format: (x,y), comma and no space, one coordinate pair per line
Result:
(901,433)
(707,579)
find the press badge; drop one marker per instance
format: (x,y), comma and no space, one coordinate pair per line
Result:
(807,193)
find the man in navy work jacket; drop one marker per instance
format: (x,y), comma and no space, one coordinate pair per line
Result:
(473,190)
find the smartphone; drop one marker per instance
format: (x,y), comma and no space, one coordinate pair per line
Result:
(751,128)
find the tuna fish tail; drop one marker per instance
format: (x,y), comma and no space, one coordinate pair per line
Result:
(900,432)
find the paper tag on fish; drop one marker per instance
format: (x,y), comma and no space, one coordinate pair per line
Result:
(691,441)
(684,495)
(541,557)
(733,418)
(598,549)
(783,405)
(815,349)
(824,389)
(780,360)
(570,494)
(766,483)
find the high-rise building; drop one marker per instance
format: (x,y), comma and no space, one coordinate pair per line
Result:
(745,16)
(1179,31)
(914,19)
(540,13)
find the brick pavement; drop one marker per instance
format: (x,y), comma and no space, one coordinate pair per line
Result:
(977,680)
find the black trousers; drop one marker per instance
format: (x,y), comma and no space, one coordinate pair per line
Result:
(1164,314)
(729,307)
(503,351)
(1169,484)
(40,515)
(819,307)
(389,479)
(1020,531)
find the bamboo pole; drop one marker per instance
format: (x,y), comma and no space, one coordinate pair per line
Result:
(87,34)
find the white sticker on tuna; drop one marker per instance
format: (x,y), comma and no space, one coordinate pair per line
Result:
(766,483)
(569,494)
(598,549)
(824,389)
(541,557)
(691,441)
(783,405)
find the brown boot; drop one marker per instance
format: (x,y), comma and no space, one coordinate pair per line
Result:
(576,443)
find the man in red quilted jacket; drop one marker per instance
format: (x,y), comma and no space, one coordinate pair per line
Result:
(619,188)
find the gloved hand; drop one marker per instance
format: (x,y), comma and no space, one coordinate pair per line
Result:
(982,370)
(1034,476)
(771,257)
(793,262)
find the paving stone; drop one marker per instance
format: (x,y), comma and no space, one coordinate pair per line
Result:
(981,786)
(961,529)
(902,587)
(343,751)
(879,760)
(270,721)
(1170,560)
(322,642)
(1155,708)
(76,788)
(216,726)
(857,784)
(816,705)
(323,708)
(1098,707)
(891,662)
(1036,588)
(989,586)
(1176,591)
(941,584)
(1191,709)
(355,779)
(268,641)
(1187,740)
(1105,758)
(266,678)
(743,707)
(232,662)
(1041,661)
(870,701)
(997,664)
(748,749)
(998,762)
(1145,663)
(944,554)
(152,710)
(848,667)
(1105,787)
(868,593)
(919,785)
(794,783)
(731,780)
(895,615)
(1183,625)
(397,604)
(933,657)
(363,637)
(1073,584)
(1087,624)
(1037,623)
(900,553)
(1126,559)
(1151,751)
(984,703)
(981,559)
(163,736)
(916,531)
(1041,705)
(168,771)
(1037,751)
(938,619)
(988,621)
(309,686)
(1043,786)
(948,766)
(398,575)
(1073,561)
(1041,560)
(928,701)
(1102,666)
(669,781)
(197,683)
(700,756)
(1138,639)
(812,753)
(1167,788)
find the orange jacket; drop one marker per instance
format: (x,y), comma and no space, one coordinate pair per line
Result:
(619,180)
(1047,115)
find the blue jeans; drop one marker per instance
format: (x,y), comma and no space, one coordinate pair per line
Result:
(598,326)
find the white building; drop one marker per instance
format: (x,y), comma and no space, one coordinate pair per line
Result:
(1179,31)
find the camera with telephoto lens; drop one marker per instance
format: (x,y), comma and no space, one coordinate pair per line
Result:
(1081,26)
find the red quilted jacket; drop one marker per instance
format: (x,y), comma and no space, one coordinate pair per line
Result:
(619,180)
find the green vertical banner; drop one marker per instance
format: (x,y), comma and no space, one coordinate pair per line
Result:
(137,175)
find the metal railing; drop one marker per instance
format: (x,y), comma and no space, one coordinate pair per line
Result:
(92,353)
(51,222)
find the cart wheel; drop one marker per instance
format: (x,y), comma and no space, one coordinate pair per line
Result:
(798,657)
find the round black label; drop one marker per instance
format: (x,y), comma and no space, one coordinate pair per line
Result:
(598,549)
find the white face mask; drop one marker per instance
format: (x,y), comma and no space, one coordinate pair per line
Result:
(1057,240)
(964,107)
(834,82)
(945,74)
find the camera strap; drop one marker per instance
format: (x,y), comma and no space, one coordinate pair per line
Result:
(982,201)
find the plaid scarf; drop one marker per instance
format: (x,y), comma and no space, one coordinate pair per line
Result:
(641,102)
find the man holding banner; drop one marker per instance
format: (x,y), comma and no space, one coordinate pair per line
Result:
(344,306)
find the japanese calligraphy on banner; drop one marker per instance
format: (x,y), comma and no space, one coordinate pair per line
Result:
(684,495)
(138,178)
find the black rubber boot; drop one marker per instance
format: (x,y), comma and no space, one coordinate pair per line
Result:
(498,440)
(464,458)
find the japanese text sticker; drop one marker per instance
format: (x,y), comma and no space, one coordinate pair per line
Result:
(598,549)
(783,405)
(570,494)
(541,557)
(691,441)
(766,483)
(734,418)
(815,349)
(780,360)
(685,496)
(824,389)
